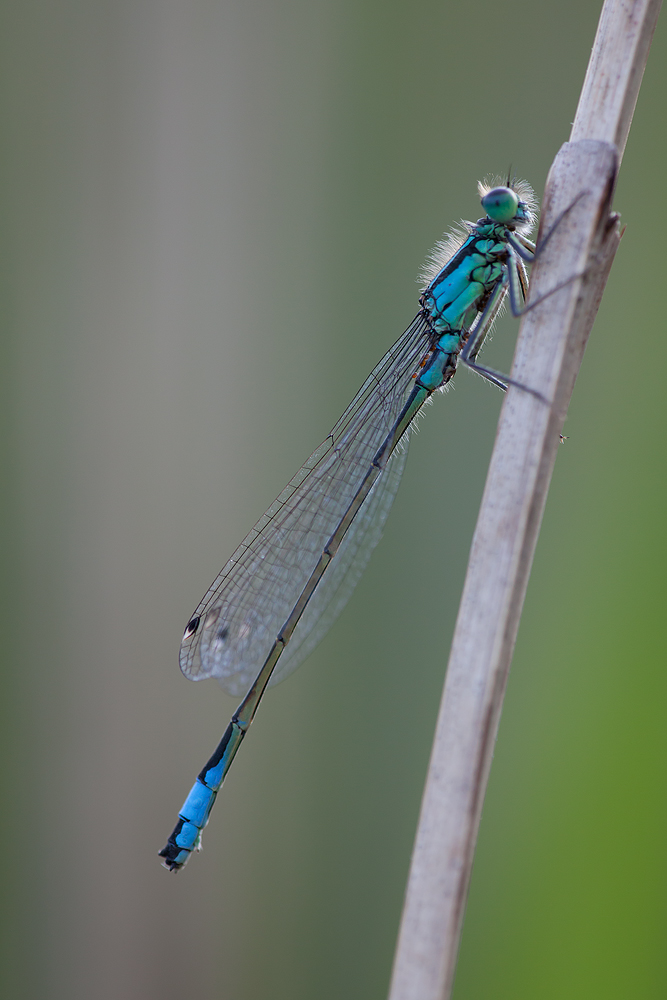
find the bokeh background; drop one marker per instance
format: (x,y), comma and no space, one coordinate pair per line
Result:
(213,216)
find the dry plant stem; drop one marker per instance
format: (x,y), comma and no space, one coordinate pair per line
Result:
(550,348)
(615,71)
(500,560)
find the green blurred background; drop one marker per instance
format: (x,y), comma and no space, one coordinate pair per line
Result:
(213,216)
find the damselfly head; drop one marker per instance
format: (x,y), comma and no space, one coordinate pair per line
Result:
(501,204)
(514,205)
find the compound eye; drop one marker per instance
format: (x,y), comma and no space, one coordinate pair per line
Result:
(500,204)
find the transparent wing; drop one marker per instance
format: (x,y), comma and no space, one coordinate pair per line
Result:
(234,626)
(345,571)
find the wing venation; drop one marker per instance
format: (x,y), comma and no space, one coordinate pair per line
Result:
(252,596)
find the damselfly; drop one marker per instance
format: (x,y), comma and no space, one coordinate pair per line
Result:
(292,575)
